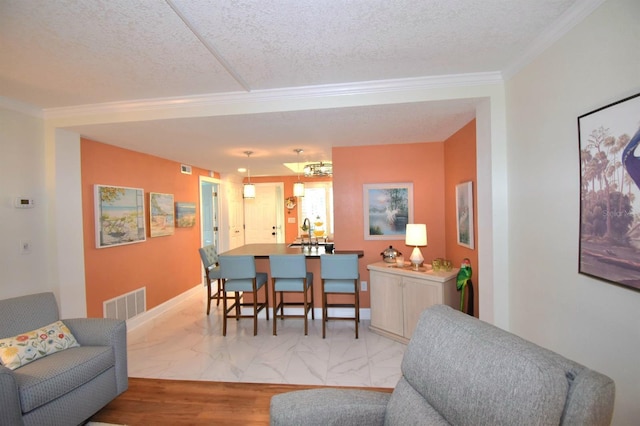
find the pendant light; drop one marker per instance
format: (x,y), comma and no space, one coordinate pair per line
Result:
(298,187)
(249,189)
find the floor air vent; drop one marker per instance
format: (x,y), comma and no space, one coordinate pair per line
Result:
(126,306)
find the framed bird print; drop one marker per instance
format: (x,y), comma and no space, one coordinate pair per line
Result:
(464,214)
(609,246)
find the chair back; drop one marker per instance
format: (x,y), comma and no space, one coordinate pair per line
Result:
(209,255)
(237,267)
(26,313)
(288,265)
(339,266)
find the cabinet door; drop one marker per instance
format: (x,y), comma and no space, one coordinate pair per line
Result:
(386,302)
(418,296)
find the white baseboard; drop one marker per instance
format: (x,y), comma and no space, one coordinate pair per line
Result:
(137,321)
(152,313)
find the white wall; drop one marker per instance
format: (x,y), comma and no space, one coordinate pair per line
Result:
(590,321)
(22,174)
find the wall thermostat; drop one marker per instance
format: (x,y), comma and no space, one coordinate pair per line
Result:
(24,203)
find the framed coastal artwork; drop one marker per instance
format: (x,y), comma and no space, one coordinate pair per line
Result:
(388,207)
(161,214)
(185,215)
(464,214)
(609,244)
(119,215)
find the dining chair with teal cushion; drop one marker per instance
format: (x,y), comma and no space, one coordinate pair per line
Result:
(289,275)
(209,256)
(339,273)
(239,275)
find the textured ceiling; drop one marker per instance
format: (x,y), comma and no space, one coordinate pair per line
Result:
(65,53)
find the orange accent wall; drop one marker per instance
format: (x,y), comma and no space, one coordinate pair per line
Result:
(420,163)
(460,167)
(167,266)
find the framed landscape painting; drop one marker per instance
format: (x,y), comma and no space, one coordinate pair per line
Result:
(388,207)
(119,215)
(185,215)
(609,245)
(161,214)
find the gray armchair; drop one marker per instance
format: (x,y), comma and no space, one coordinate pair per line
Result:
(66,387)
(458,370)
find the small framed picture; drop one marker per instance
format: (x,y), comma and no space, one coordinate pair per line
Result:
(464,214)
(161,214)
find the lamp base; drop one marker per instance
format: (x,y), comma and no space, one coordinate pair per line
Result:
(416,258)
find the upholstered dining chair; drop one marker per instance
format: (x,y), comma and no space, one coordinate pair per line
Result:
(289,275)
(339,273)
(209,256)
(239,275)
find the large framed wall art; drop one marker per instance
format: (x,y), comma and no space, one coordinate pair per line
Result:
(119,215)
(388,207)
(609,246)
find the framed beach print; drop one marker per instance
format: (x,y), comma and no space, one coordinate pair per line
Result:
(119,215)
(388,207)
(609,244)
(161,214)
(185,215)
(464,214)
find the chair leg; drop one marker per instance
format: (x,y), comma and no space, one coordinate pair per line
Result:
(275,305)
(255,313)
(208,295)
(313,315)
(219,292)
(238,309)
(357,313)
(266,300)
(305,311)
(224,313)
(324,311)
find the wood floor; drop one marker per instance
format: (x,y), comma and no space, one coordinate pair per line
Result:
(180,402)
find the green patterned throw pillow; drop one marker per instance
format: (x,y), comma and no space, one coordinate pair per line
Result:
(26,347)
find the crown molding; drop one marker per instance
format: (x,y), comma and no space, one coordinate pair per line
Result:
(21,107)
(573,16)
(284,94)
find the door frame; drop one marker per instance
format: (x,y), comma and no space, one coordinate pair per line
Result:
(211,180)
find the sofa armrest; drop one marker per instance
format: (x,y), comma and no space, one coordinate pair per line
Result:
(320,407)
(10,409)
(104,332)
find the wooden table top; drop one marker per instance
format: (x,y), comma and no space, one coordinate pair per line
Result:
(262,251)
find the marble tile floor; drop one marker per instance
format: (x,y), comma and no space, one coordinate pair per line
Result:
(186,344)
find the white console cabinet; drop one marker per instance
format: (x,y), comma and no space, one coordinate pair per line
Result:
(399,295)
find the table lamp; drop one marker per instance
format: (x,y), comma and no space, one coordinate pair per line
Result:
(416,236)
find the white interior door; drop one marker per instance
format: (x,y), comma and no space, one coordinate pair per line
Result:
(236,220)
(264,215)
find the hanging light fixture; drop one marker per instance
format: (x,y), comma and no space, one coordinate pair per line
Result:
(298,187)
(249,189)
(320,169)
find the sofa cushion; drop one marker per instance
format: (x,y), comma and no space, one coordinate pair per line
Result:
(324,407)
(408,407)
(26,347)
(55,375)
(474,373)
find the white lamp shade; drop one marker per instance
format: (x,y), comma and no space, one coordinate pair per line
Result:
(298,189)
(249,191)
(416,234)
